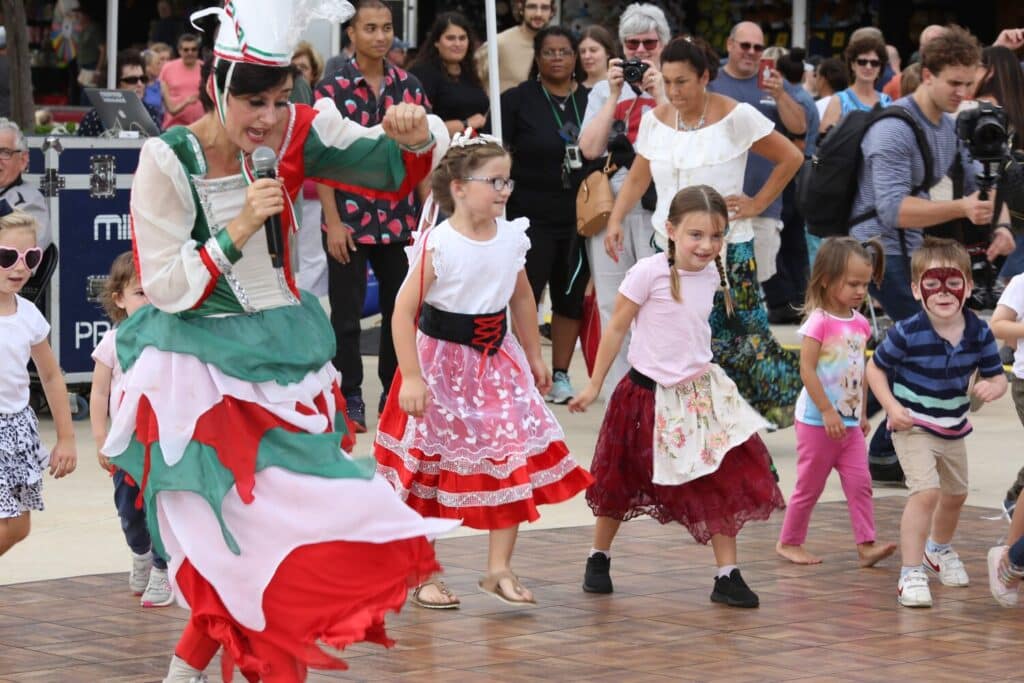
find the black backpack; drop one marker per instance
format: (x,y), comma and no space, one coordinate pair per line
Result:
(827,184)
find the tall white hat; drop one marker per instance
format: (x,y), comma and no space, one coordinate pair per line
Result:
(267,31)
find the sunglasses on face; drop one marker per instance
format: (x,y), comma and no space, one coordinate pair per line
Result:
(134,80)
(873,63)
(747,47)
(9,257)
(635,43)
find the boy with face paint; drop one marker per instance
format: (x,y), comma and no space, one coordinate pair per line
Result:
(921,374)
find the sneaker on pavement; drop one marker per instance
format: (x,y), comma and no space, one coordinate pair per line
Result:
(733,591)
(138,577)
(597,578)
(948,566)
(1005,594)
(158,591)
(356,411)
(912,590)
(181,672)
(561,389)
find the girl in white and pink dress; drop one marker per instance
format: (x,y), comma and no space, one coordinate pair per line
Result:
(678,442)
(465,433)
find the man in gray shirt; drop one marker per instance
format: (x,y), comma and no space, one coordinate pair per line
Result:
(893,166)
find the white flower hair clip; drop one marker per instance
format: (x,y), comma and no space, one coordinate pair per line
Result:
(471,137)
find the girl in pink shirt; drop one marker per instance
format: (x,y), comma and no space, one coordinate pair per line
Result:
(830,421)
(678,442)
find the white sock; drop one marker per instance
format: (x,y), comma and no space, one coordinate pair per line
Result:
(607,553)
(725,571)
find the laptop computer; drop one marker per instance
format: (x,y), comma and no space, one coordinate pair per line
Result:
(122,110)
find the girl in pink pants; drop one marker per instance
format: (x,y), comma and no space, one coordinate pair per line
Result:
(830,427)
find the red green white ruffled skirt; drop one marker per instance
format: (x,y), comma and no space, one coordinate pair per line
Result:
(487,449)
(275,537)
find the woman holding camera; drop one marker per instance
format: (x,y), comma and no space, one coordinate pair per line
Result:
(700,137)
(540,120)
(610,127)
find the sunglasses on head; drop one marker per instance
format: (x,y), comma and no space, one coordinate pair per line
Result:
(9,257)
(635,43)
(873,63)
(747,47)
(133,80)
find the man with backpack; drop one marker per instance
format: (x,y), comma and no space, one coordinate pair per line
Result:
(901,158)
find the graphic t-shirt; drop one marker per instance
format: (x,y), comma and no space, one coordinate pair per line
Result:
(840,365)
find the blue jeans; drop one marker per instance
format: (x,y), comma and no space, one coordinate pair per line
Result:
(133,521)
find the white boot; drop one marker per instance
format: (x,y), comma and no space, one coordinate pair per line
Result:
(181,672)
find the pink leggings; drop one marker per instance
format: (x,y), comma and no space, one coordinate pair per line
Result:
(817,456)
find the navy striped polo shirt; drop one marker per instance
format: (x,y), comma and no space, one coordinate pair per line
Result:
(929,376)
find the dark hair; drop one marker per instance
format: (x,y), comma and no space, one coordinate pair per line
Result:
(366,4)
(428,53)
(833,70)
(122,270)
(247,79)
(830,265)
(791,65)
(129,57)
(187,38)
(910,79)
(1004,82)
(694,51)
(459,162)
(599,34)
(862,45)
(538,43)
(697,199)
(953,47)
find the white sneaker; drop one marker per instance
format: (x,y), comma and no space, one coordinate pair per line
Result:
(181,672)
(912,590)
(158,591)
(138,578)
(1005,595)
(948,566)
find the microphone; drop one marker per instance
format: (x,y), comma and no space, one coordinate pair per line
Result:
(263,162)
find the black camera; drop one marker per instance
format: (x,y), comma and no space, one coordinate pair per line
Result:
(984,130)
(633,70)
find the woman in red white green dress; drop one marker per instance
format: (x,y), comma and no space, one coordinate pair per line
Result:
(231,417)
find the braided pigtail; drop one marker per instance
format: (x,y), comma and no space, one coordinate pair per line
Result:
(672,274)
(723,280)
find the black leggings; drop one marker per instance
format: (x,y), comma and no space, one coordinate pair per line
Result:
(555,261)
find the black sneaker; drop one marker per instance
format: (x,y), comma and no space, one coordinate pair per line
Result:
(356,411)
(733,591)
(597,578)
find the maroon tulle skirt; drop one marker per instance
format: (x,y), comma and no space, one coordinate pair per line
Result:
(742,489)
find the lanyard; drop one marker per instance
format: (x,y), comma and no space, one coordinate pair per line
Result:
(554,109)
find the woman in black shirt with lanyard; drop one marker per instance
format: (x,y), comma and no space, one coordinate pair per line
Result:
(541,119)
(446,70)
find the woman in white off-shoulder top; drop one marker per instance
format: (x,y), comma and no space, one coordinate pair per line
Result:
(701,137)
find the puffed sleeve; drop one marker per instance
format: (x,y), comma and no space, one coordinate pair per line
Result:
(522,241)
(341,153)
(176,271)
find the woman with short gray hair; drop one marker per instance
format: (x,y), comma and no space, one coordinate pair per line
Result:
(610,125)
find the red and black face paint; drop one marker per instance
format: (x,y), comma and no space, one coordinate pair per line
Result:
(946,279)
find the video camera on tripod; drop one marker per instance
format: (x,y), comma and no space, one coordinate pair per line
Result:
(985,132)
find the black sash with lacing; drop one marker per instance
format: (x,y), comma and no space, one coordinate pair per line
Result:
(483,332)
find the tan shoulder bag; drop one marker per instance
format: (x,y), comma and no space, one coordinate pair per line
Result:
(594,200)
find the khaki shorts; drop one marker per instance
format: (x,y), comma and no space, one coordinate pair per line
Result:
(929,462)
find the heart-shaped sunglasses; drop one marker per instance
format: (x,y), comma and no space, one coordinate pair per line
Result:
(9,257)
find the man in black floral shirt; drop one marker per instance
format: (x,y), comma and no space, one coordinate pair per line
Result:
(360,231)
